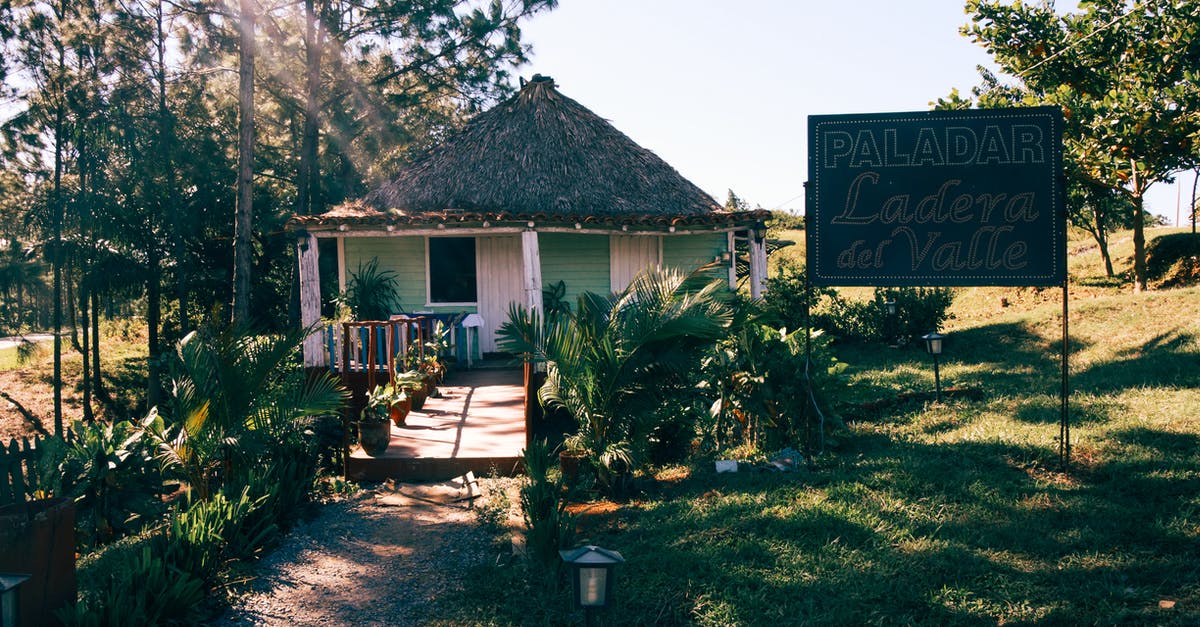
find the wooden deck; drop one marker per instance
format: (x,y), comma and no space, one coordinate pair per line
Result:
(477,425)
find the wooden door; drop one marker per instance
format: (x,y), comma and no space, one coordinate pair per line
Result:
(499,283)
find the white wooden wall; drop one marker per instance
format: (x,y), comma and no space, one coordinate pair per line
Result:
(629,255)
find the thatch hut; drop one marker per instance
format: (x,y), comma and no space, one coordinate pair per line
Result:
(535,191)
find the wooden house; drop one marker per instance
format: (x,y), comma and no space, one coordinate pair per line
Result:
(535,191)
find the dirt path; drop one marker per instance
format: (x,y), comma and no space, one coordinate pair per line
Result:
(379,558)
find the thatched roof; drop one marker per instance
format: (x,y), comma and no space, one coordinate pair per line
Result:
(541,152)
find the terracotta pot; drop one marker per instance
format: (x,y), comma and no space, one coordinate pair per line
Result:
(418,398)
(399,412)
(569,462)
(374,436)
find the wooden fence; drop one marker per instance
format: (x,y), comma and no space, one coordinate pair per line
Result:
(19,478)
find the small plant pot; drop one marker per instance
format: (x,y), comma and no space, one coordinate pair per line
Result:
(374,436)
(418,398)
(569,463)
(399,412)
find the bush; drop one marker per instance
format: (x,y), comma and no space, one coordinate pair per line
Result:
(919,310)
(132,583)
(1174,259)
(786,297)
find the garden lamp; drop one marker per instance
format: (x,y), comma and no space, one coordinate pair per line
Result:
(933,346)
(10,608)
(591,576)
(889,308)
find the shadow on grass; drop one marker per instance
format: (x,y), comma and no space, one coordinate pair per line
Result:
(909,532)
(1167,359)
(126,384)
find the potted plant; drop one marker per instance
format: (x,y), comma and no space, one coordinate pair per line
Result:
(374,430)
(433,370)
(413,383)
(572,454)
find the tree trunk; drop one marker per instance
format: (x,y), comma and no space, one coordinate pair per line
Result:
(306,183)
(1139,244)
(88,341)
(245,192)
(166,141)
(56,255)
(1195,181)
(97,379)
(1102,241)
(153,320)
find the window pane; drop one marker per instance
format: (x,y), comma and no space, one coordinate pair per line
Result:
(452,269)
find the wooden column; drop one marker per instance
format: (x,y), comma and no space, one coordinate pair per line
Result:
(731,247)
(310,300)
(531,262)
(758,266)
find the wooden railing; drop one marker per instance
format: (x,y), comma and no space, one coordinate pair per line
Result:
(372,346)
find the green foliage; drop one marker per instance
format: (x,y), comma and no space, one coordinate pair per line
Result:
(1124,77)
(110,472)
(764,393)
(554,299)
(788,300)
(611,358)
(1175,253)
(918,310)
(549,527)
(372,292)
(381,399)
(135,585)
(785,221)
(236,398)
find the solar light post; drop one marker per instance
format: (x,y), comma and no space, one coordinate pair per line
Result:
(933,346)
(889,307)
(10,607)
(591,576)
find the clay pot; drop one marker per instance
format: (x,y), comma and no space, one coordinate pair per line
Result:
(398,412)
(569,462)
(374,436)
(418,398)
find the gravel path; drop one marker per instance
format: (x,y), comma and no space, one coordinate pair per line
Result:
(379,558)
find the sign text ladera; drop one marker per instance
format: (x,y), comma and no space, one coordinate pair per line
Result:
(937,198)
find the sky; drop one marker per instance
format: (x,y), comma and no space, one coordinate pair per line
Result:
(722,90)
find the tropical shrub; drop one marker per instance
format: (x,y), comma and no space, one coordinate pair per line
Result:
(790,303)
(611,358)
(237,399)
(109,470)
(765,393)
(133,583)
(919,310)
(372,293)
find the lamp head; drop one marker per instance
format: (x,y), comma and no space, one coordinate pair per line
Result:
(933,342)
(591,574)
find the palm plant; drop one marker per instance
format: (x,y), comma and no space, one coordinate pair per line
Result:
(236,399)
(611,357)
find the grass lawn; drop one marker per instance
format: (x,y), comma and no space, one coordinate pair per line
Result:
(123,361)
(954,513)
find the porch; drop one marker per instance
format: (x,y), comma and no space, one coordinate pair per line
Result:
(479,424)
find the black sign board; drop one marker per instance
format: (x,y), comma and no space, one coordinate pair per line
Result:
(936,198)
